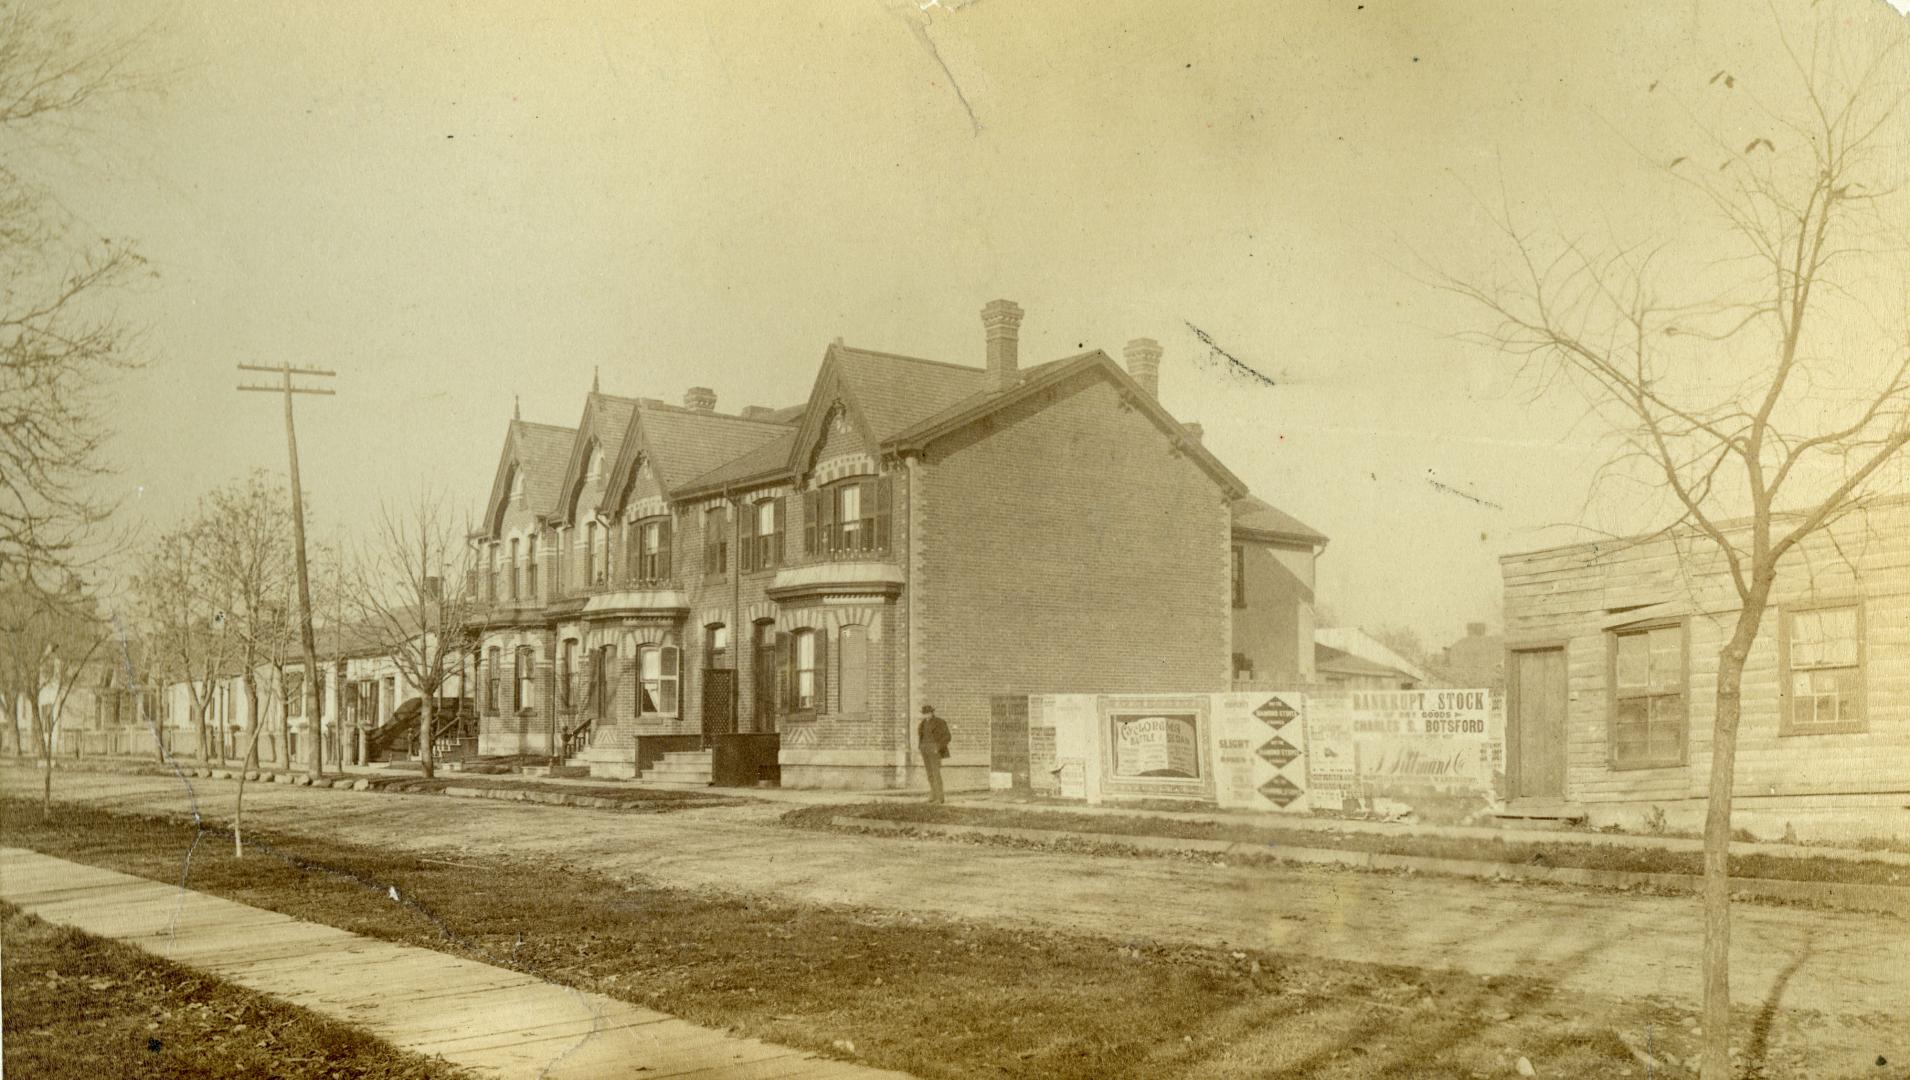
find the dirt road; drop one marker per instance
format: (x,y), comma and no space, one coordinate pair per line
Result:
(1842,964)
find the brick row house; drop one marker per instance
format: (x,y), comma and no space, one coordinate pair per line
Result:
(688,594)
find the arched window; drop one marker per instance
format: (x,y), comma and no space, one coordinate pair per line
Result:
(603,680)
(523,681)
(716,540)
(517,579)
(567,673)
(802,671)
(763,547)
(657,678)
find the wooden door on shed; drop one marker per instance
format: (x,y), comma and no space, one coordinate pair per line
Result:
(1538,724)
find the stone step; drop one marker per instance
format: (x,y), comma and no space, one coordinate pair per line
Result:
(680,769)
(689,755)
(687,785)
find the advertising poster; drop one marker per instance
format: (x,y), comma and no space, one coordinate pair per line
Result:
(1260,751)
(1402,742)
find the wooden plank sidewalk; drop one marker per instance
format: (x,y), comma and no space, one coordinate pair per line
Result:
(496,1021)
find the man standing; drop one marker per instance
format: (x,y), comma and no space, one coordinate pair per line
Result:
(932,736)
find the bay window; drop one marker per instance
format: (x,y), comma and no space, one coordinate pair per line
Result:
(848,516)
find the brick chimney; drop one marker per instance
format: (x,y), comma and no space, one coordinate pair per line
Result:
(700,398)
(1143,357)
(1001,326)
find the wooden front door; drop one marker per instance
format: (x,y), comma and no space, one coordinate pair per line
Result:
(1537,750)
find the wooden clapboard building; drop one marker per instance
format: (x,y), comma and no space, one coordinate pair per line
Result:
(1612,659)
(693,595)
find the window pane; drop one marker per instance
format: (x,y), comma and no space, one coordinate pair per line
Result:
(1634,662)
(765,518)
(652,659)
(1667,658)
(1840,636)
(1667,727)
(806,651)
(851,504)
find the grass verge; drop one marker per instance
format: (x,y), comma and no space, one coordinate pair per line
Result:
(82,1007)
(932,996)
(1507,849)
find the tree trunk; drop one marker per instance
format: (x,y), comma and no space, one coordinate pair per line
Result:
(285,728)
(427,724)
(49,741)
(251,722)
(238,802)
(1717,841)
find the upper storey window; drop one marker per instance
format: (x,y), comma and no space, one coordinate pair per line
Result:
(653,549)
(848,516)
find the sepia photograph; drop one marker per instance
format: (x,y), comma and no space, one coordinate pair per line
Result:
(951,539)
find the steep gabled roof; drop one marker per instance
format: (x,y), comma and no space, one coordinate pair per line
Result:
(1255,517)
(1034,380)
(605,422)
(895,392)
(767,462)
(683,444)
(689,443)
(541,451)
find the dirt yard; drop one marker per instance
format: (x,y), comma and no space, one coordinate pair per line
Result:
(1849,973)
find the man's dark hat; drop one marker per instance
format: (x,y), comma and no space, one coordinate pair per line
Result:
(928,708)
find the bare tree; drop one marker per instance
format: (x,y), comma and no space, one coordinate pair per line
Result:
(246,531)
(183,622)
(409,598)
(52,639)
(1744,368)
(59,343)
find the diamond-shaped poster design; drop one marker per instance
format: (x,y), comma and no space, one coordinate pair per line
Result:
(1281,791)
(1278,752)
(1276,714)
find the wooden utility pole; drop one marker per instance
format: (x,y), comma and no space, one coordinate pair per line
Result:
(314,747)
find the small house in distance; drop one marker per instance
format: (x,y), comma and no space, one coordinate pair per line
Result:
(1612,659)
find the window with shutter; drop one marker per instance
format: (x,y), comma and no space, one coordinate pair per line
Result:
(776,550)
(803,697)
(785,657)
(882,496)
(821,699)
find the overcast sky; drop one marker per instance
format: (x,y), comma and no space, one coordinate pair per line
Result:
(456,205)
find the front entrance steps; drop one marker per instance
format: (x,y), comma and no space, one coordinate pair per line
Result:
(682,769)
